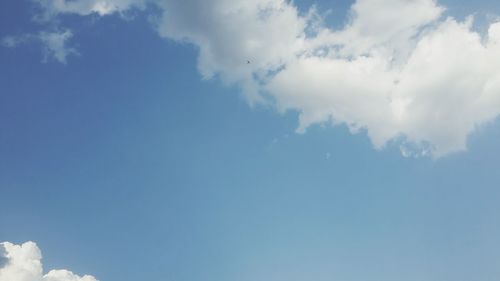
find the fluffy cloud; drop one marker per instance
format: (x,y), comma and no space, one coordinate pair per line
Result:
(268,33)
(399,70)
(23,263)
(429,91)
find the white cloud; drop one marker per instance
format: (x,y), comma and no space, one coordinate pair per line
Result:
(399,69)
(23,263)
(52,8)
(434,96)
(55,45)
(13,41)
(268,33)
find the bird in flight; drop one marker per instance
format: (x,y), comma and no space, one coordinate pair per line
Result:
(248,62)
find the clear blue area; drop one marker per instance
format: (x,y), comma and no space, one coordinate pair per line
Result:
(125,165)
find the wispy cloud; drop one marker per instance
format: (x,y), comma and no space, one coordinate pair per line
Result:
(52,8)
(14,41)
(24,263)
(54,44)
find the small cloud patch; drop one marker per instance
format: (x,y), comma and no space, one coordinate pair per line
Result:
(24,263)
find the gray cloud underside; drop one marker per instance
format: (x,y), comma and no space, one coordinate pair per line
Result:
(3,257)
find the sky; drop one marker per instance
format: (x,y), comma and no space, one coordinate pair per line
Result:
(359,144)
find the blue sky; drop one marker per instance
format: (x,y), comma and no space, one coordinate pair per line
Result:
(126,164)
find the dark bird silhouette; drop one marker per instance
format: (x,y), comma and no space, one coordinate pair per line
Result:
(248,62)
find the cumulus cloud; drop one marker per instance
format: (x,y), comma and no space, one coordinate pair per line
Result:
(23,263)
(268,33)
(400,70)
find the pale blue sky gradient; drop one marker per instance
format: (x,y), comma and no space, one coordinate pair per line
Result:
(126,165)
